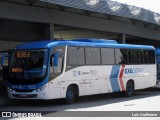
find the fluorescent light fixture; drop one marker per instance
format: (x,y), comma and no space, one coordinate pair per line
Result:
(135,10)
(91,2)
(157,17)
(114,6)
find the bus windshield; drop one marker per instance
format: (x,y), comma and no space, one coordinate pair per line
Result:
(28,66)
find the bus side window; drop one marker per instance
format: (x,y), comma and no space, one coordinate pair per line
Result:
(145,56)
(151,56)
(107,55)
(76,56)
(118,56)
(56,63)
(60,64)
(130,57)
(124,53)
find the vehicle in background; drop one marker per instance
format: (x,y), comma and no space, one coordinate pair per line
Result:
(4,67)
(4,64)
(1,53)
(69,69)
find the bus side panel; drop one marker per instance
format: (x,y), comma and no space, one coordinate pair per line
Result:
(90,79)
(54,88)
(144,76)
(109,78)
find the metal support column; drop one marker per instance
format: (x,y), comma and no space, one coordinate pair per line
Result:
(49,32)
(123,38)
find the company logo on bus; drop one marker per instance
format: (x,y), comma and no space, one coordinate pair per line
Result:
(133,70)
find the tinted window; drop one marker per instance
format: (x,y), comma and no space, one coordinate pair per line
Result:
(35,59)
(76,56)
(131,56)
(118,56)
(124,53)
(145,56)
(136,56)
(122,56)
(151,56)
(92,56)
(107,55)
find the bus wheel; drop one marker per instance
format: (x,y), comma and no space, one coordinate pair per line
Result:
(70,95)
(129,88)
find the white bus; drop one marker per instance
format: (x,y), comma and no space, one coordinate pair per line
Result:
(69,69)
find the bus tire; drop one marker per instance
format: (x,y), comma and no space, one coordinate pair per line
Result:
(129,88)
(70,95)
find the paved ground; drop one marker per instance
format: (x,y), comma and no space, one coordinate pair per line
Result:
(146,100)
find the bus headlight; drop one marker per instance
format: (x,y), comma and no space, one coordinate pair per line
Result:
(41,88)
(9,89)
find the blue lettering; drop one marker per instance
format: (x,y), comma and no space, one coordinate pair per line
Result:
(132,70)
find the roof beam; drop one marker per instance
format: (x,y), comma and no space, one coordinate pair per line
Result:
(44,15)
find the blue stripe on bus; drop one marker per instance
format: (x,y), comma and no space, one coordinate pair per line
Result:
(51,44)
(114,78)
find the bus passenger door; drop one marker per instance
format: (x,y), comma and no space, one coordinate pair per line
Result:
(56,68)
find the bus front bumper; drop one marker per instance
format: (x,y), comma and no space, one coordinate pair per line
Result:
(35,94)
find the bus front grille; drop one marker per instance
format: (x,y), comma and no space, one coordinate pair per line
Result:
(24,90)
(25,95)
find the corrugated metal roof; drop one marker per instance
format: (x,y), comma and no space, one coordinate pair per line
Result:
(110,8)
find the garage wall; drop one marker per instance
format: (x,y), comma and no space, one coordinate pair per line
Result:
(14,30)
(4,45)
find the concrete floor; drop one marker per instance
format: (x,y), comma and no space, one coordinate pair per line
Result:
(142,101)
